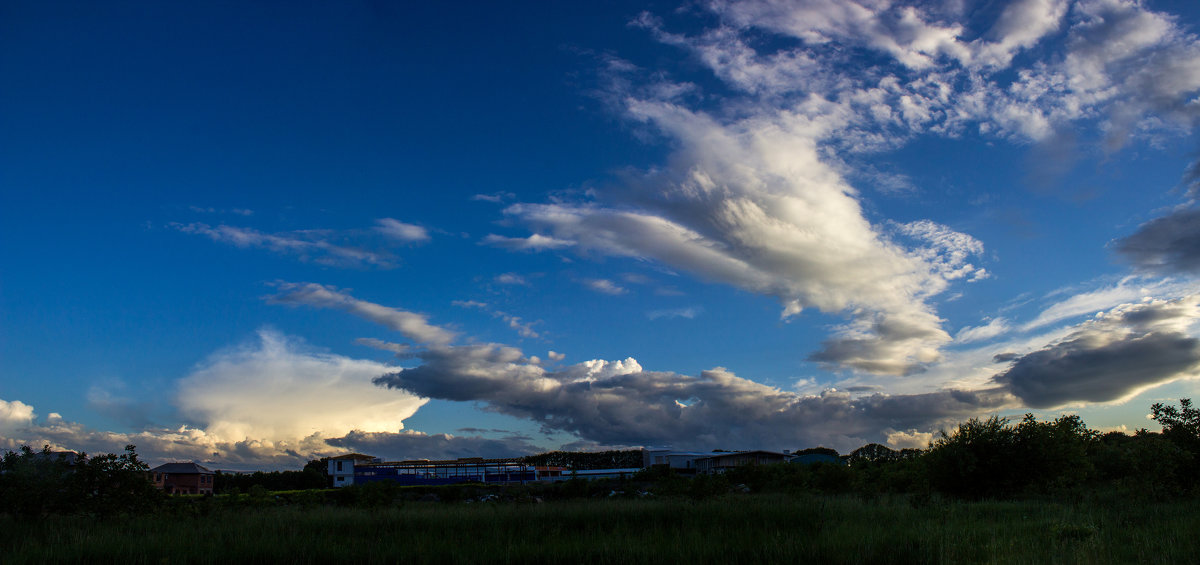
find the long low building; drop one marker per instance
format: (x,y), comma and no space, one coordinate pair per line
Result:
(359,469)
(356,468)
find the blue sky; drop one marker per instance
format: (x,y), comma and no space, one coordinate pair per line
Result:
(254,235)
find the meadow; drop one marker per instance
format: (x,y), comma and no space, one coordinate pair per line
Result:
(730,528)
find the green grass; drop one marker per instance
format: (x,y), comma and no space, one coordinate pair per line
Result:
(729,529)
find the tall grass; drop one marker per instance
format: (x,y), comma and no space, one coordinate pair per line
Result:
(734,529)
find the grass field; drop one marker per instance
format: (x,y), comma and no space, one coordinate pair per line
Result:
(727,529)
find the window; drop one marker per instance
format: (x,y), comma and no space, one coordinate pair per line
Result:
(339,465)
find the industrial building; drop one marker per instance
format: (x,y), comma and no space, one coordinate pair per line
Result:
(357,469)
(360,469)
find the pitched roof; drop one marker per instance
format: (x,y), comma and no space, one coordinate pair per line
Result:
(182,468)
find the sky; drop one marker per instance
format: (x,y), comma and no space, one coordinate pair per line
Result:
(254,234)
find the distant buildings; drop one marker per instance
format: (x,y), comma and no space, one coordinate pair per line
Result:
(356,468)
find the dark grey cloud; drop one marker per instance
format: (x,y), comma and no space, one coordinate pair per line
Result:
(1079,370)
(415,445)
(1170,244)
(619,403)
(1127,349)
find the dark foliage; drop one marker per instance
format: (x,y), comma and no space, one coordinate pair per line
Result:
(1181,426)
(991,458)
(818,451)
(584,461)
(36,483)
(309,478)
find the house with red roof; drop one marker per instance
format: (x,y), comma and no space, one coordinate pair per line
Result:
(183,478)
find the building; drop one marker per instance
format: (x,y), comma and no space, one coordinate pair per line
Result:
(357,469)
(445,472)
(341,468)
(183,478)
(721,462)
(679,461)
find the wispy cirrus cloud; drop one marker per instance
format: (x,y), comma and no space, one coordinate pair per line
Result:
(995,327)
(524,329)
(535,242)
(315,246)
(400,231)
(687,312)
(411,325)
(605,286)
(494,197)
(511,279)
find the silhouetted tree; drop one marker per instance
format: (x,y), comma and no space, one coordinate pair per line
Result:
(110,484)
(819,451)
(873,452)
(1181,426)
(37,483)
(974,460)
(33,483)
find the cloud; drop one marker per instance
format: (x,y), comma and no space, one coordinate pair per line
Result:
(160,445)
(944,250)
(752,205)
(411,445)
(308,245)
(399,349)
(910,439)
(605,286)
(754,194)
(620,403)
(14,415)
(511,278)
(1116,61)
(535,242)
(1118,354)
(1167,245)
(495,197)
(524,329)
(1021,25)
(994,327)
(688,312)
(1129,289)
(276,389)
(903,32)
(131,412)
(211,210)
(413,326)
(400,231)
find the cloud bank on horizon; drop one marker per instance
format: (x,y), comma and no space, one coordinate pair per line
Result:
(769,188)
